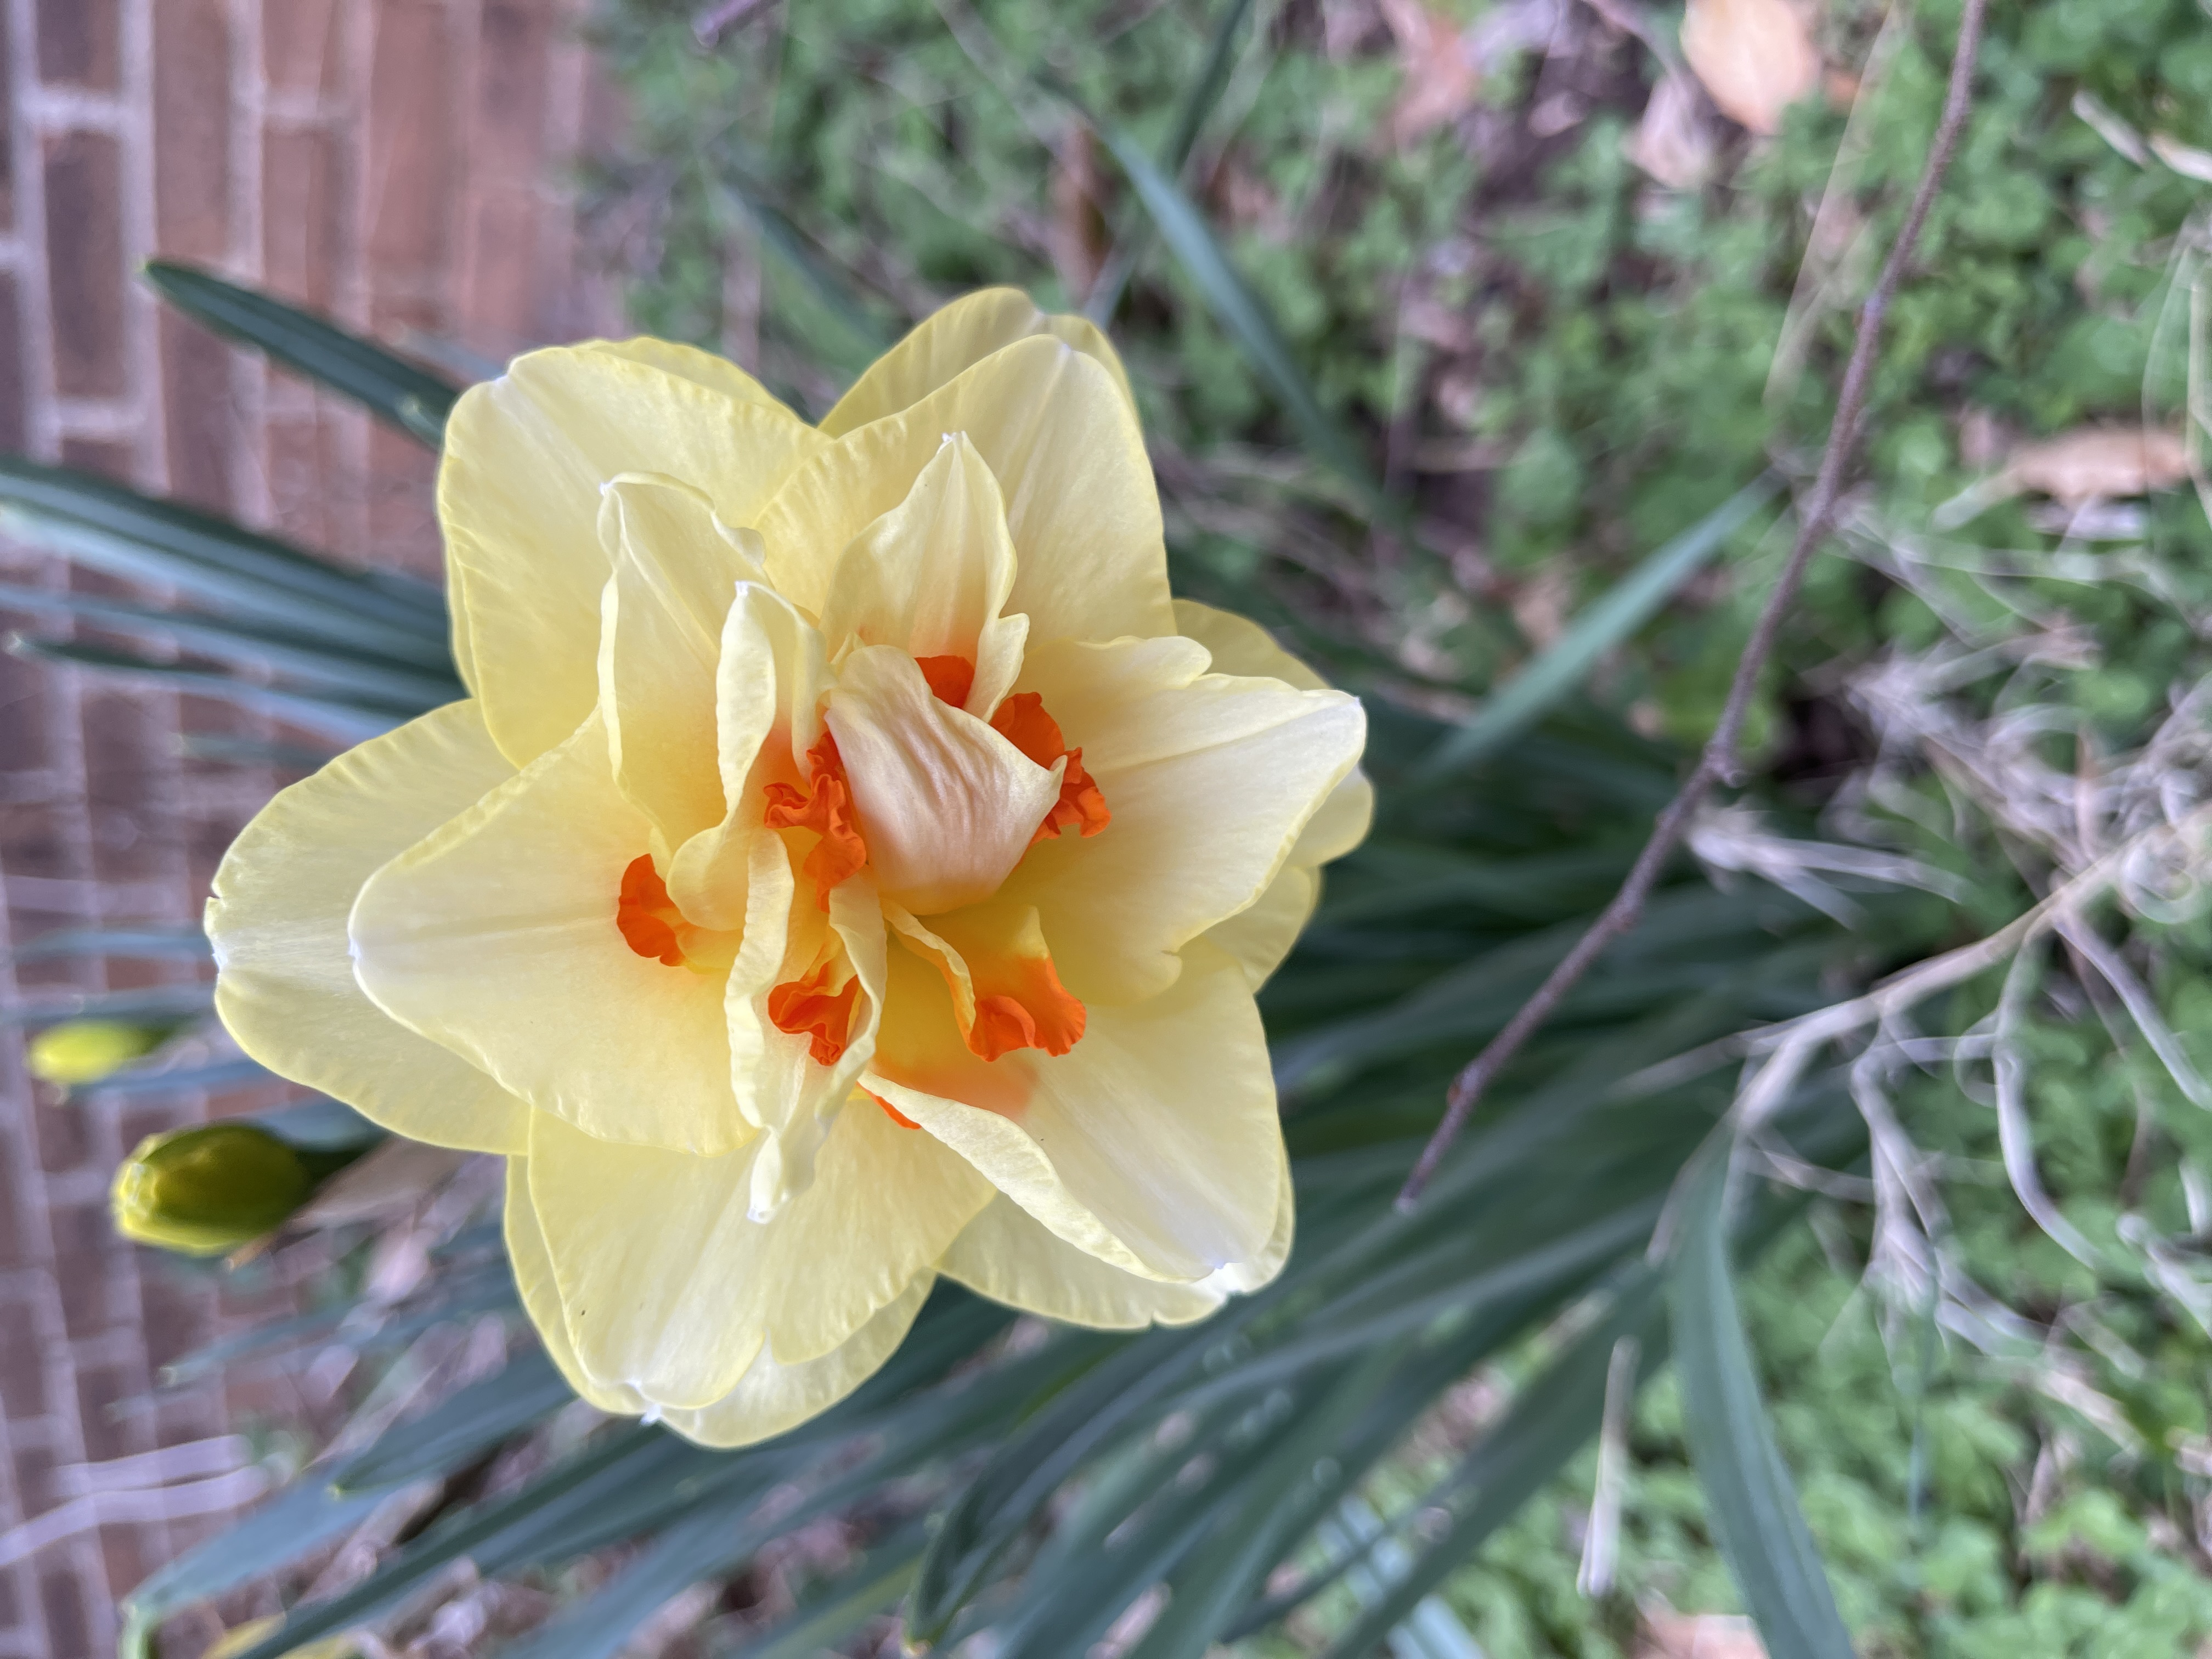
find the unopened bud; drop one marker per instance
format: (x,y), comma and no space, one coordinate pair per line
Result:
(86,1050)
(206,1190)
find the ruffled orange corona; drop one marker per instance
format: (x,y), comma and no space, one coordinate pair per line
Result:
(850,867)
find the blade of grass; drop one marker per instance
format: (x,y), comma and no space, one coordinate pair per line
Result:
(1525,698)
(1105,295)
(399,393)
(1246,318)
(1749,1497)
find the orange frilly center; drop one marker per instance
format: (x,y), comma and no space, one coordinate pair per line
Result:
(1013,999)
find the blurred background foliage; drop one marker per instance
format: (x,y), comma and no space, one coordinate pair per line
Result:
(1533,312)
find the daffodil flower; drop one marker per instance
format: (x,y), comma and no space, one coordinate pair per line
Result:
(850,867)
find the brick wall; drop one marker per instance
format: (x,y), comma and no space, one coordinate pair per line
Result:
(398,163)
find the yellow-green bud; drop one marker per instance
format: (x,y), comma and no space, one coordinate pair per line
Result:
(86,1050)
(208,1189)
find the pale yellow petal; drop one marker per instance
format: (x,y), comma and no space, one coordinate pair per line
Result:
(947,804)
(496,937)
(1153,1144)
(525,456)
(771,1397)
(670,1290)
(768,689)
(1009,1255)
(1240,646)
(933,574)
(1261,935)
(677,567)
(1070,462)
(954,339)
(278,922)
(1210,779)
(689,362)
(532,1262)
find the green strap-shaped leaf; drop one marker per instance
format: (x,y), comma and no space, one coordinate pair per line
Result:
(119,531)
(155,1007)
(394,390)
(189,942)
(1749,1498)
(459,1427)
(822,1621)
(1524,698)
(252,645)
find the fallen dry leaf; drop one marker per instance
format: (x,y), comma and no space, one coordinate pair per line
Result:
(2099,464)
(1698,1635)
(1672,143)
(1441,77)
(1754,57)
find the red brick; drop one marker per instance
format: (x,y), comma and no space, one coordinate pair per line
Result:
(84,263)
(111,458)
(22,1361)
(103,1393)
(192,128)
(61,1597)
(77,43)
(413,157)
(123,1550)
(200,418)
(83,1240)
(126,751)
(403,526)
(35,1485)
(301,215)
(507,140)
(303,464)
(302,45)
(11,348)
(503,271)
(64,1145)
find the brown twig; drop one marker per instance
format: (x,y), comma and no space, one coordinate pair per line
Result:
(1720,760)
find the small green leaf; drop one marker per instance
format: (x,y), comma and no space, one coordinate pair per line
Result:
(389,386)
(1749,1497)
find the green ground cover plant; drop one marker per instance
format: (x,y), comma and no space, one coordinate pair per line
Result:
(1505,431)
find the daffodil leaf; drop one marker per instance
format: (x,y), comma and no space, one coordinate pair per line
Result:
(457,1427)
(871,1586)
(188,942)
(1749,1496)
(139,1082)
(1525,698)
(397,391)
(251,645)
(113,529)
(164,1004)
(341,715)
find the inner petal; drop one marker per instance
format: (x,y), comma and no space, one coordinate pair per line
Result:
(1005,994)
(946,806)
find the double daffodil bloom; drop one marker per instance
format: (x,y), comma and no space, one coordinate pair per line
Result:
(849,867)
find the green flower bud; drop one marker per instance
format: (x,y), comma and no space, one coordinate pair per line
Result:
(208,1189)
(86,1050)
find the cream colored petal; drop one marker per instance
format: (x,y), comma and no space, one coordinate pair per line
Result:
(1210,781)
(496,937)
(779,1084)
(1261,936)
(519,497)
(946,806)
(1008,1256)
(772,1397)
(690,363)
(671,1290)
(278,922)
(1153,1144)
(931,576)
(955,339)
(1064,447)
(531,1261)
(1240,646)
(677,567)
(768,690)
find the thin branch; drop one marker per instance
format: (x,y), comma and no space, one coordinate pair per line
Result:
(1721,759)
